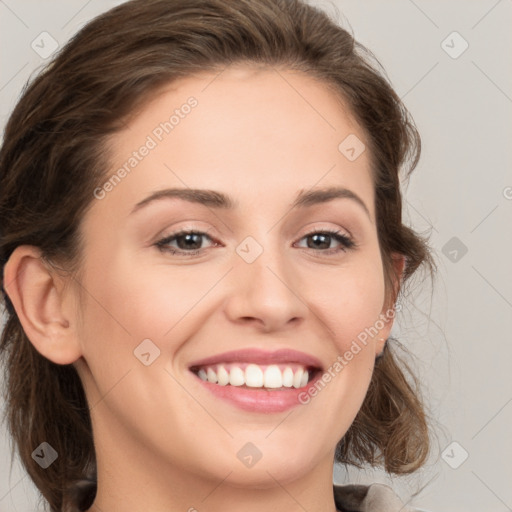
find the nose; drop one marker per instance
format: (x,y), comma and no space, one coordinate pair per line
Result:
(265,293)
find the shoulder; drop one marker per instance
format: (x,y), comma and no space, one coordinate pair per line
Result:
(368,498)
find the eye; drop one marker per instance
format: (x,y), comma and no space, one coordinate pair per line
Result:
(320,240)
(189,242)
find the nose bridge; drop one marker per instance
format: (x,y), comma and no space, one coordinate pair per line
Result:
(263,284)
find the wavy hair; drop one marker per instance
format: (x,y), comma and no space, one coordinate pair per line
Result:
(55,153)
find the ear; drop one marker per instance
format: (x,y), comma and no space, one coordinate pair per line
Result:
(42,305)
(388,312)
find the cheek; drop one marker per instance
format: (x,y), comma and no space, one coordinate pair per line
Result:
(349,299)
(129,302)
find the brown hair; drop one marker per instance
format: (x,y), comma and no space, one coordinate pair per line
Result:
(55,154)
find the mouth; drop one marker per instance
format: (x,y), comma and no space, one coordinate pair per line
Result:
(257,376)
(254,368)
(256,380)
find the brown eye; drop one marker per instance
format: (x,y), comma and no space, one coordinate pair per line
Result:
(187,242)
(321,241)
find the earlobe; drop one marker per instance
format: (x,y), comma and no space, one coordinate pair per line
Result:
(36,293)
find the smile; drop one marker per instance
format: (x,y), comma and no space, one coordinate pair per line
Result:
(250,375)
(257,380)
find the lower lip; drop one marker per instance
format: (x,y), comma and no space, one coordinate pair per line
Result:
(260,400)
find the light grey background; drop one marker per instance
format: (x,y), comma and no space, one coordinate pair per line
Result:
(462,188)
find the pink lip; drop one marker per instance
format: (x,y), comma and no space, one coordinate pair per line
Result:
(260,400)
(258,356)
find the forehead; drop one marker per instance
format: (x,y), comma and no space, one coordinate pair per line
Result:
(250,132)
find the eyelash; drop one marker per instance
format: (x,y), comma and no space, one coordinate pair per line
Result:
(346,242)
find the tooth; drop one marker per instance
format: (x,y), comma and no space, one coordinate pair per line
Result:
(212,376)
(253,376)
(273,377)
(304,379)
(288,377)
(297,378)
(236,376)
(223,375)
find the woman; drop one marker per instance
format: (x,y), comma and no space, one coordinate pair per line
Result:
(202,248)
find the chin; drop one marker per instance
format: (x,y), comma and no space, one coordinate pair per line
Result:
(265,477)
(272,468)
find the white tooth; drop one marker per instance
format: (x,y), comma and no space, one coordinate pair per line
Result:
(297,378)
(212,376)
(273,377)
(253,376)
(288,377)
(304,379)
(236,376)
(202,374)
(223,375)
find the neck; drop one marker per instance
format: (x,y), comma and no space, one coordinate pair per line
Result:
(135,479)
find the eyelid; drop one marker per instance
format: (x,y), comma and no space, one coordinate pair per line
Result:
(337,230)
(187,228)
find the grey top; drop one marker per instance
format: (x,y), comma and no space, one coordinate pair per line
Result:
(368,498)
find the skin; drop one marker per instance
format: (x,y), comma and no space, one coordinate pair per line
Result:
(163,442)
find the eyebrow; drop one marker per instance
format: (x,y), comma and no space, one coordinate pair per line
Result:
(214,199)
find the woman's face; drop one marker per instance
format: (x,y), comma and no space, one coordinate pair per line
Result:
(259,274)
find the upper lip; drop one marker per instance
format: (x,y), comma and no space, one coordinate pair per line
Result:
(258,356)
